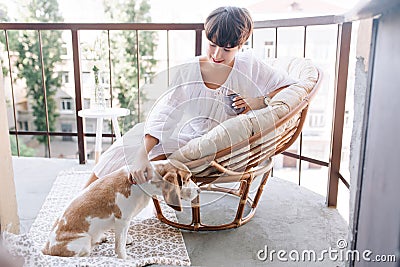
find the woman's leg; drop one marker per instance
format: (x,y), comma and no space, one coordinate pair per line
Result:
(91,179)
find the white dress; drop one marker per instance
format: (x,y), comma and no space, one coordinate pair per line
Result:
(189,109)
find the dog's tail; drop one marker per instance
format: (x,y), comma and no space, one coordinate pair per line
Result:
(46,249)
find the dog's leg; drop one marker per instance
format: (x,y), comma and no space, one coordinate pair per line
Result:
(121,231)
(100,239)
(81,246)
(103,239)
(129,239)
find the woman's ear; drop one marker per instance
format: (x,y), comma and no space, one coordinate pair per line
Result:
(171,191)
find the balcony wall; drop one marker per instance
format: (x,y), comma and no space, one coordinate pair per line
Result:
(8,203)
(375,226)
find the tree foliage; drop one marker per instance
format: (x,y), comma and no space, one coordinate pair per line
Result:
(124,46)
(12,39)
(24,150)
(29,62)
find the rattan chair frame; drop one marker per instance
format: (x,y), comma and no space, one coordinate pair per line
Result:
(259,163)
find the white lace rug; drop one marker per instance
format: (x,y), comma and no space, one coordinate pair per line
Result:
(153,241)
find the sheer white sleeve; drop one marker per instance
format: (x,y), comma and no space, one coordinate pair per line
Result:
(166,113)
(264,77)
(269,79)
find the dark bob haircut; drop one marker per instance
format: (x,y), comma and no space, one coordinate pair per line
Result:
(228,26)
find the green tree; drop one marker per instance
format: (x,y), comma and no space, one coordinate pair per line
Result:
(3,18)
(12,39)
(124,47)
(24,150)
(29,62)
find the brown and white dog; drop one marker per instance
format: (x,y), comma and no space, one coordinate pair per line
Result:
(111,202)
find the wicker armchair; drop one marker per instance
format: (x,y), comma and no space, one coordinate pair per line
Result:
(236,164)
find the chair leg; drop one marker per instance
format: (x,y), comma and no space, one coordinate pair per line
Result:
(244,192)
(158,209)
(260,189)
(196,225)
(196,212)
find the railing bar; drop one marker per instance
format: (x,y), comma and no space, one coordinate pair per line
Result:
(101,26)
(344,180)
(297,22)
(138,74)
(320,20)
(168,58)
(103,135)
(110,67)
(78,96)
(198,42)
(34,133)
(12,92)
(301,134)
(276,42)
(304,41)
(110,77)
(300,152)
(44,91)
(308,159)
(342,64)
(41,133)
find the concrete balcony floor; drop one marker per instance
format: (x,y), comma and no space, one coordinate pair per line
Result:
(289,217)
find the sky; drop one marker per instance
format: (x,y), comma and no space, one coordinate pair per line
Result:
(169,11)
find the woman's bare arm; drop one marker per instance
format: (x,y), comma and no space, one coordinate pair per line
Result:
(254,103)
(141,168)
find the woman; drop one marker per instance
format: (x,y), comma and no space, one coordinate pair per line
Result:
(199,92)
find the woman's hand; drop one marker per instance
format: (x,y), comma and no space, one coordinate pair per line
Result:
(141,168)
(249,103)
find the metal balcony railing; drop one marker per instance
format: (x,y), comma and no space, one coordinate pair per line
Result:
(342,62)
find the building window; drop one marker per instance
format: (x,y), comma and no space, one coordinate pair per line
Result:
(104,78)
(66,104)
(316,120)
(148,78)
(269,49)
(64,50)
(66,128)
(86,103)
(90,128)
(245,46)
(65,77)
(348,119)
(85,77)
(23,125)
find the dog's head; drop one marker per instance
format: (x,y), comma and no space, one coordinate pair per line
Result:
(176,183)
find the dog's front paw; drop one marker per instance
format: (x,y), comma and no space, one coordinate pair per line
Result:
(103,239)
(122,255)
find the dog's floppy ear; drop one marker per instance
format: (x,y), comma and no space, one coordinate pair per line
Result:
(171,191)
(184,175)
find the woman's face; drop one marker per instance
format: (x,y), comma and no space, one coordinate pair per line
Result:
(221,55)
